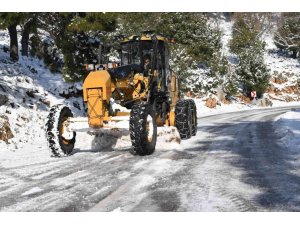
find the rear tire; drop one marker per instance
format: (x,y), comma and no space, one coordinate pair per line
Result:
(183,119)
(193,110)
(58,145)
(143,129)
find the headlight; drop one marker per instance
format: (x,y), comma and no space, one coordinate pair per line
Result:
(90,67)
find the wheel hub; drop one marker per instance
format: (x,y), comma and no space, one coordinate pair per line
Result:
(66,135)
(150,128)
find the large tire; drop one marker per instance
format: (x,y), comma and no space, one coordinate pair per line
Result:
(193,111)
(58,145)
(143,133)
(183,119)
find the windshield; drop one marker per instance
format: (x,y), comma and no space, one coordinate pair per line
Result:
(125,55)
(136,52)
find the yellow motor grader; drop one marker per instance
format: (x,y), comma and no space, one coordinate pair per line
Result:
(142,83)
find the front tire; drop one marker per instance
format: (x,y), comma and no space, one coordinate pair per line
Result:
(59,146)
(143,129)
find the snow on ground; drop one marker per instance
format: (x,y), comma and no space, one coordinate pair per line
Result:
(277,61)
(289,126)
(202,110)
(226,28)
(28,94)
(27,115)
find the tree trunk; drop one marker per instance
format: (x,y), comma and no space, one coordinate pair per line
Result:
(25,41)
(25,37)
(13,42)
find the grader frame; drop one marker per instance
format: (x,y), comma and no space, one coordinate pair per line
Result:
(150,95)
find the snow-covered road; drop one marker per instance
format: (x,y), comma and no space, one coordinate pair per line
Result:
(235,163)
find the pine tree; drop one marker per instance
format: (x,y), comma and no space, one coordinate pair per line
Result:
(201,44)
(246,43)
(193,31)
(57,42)
(287,36)
(134,23)
(252,71)
(82,38)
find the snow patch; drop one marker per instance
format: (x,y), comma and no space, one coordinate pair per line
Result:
(117,209)
(144,181)
(32,191)
(124,175)
(288,125)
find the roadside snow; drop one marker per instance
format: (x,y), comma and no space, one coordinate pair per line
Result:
(203,111)
(288,125)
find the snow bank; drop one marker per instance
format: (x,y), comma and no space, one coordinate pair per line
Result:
(29,96)
(288,125)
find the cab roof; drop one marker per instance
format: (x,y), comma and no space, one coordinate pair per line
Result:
(146,36)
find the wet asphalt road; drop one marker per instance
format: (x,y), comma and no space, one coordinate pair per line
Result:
(235,163)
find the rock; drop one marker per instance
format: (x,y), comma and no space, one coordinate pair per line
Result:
(45,101)
(20,79)
(289,99)
(5,48)
(221,94)
(226,101)
(244,99)
(264,102)
(190,94)
(31,93)
(211,102)
(71,92)
(32,106)
(28,80)
(271,89)
(291,89)
(279,81)
(76,105)
(3,99)
(32,69)
(5,131)
(3,88)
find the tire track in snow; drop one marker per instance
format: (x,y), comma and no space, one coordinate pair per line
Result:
(224,198)
(11,195)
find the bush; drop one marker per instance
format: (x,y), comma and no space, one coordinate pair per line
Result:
(251,71)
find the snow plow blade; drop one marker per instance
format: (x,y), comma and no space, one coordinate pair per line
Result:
(168,134)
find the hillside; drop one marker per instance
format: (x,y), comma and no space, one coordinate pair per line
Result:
(284,79)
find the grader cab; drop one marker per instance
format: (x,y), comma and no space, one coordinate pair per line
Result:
(143,84)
